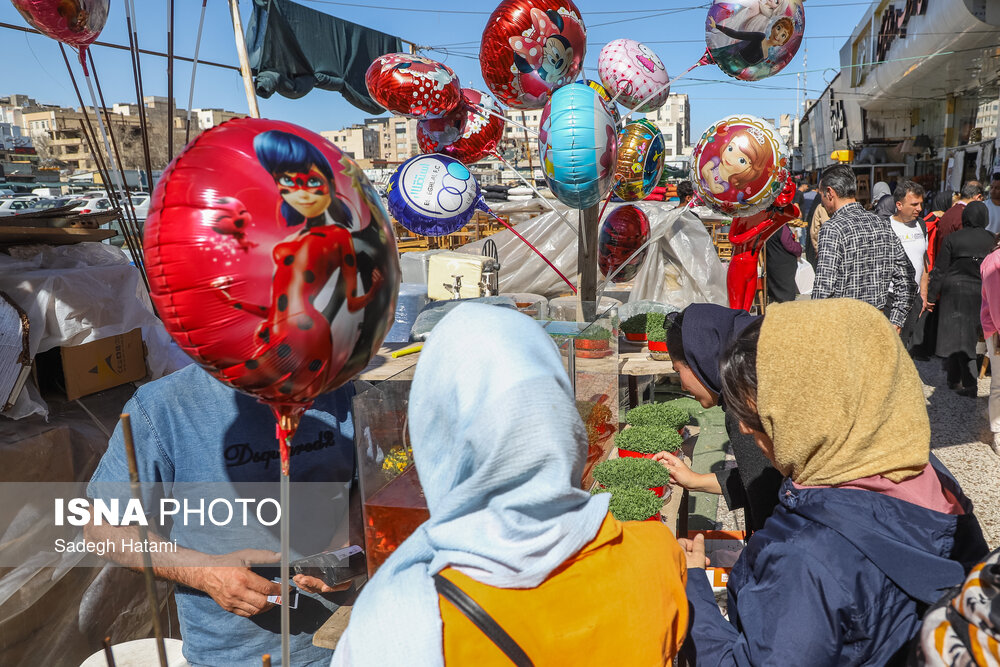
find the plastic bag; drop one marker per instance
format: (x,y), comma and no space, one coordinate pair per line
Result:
(681,266)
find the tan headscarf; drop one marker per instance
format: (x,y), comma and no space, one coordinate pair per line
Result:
(839,395)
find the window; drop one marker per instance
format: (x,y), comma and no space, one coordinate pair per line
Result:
(669,151)
(668,137)
(400,129)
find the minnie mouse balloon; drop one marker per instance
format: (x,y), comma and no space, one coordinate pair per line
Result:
(531,47)
(271,260)
(73,22)
(413,86)
(433,195)
(753,39)
(640,160)
(467,134)
(577,144)
(632,72)
(622,233)
(739,165)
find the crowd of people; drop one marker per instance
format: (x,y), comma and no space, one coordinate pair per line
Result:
(921,258)
(861,547)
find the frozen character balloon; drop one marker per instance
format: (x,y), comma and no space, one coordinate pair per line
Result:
(632,72)
(530,48)
(739,165)
(754,39)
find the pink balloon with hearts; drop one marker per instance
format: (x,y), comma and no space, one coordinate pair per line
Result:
(632,72)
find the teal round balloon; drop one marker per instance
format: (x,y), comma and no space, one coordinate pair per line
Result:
(578,145)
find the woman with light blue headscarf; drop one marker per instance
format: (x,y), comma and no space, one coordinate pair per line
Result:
(499,448)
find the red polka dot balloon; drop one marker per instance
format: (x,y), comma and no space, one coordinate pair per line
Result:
(413,86)
(271,261)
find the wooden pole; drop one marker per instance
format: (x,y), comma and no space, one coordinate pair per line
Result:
(170,80)
(241,51)
(587,263)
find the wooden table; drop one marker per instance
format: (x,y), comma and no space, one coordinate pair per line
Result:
(634,362)
(384,367)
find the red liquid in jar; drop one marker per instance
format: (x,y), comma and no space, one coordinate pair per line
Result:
(391,515)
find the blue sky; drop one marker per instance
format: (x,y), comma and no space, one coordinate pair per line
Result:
(33,65)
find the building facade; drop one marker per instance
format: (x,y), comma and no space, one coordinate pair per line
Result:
(674,121)
(917,96)
(360,142)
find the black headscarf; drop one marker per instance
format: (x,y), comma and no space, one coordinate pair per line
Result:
(975,215)
(707,330)
(942,201)
(885,207)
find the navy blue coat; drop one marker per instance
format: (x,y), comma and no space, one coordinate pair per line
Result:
(835,577)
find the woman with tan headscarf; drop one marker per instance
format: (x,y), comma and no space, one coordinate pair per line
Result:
(868,531)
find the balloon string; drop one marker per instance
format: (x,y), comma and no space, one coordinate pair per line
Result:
(537,193)
(607,200)
(479,109)
(533,248)
(659,90)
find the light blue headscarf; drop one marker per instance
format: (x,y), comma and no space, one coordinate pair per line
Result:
(499,449)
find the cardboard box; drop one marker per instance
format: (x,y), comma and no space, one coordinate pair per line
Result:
(444,266)
(104,363)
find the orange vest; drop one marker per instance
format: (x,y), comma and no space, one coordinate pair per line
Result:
(619,601)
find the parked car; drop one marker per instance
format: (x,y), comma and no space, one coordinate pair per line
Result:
(47,192)
(92,205)
(54,202)
(140,202)
(14,205)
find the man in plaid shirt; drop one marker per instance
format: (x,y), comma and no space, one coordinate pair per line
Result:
(859,255)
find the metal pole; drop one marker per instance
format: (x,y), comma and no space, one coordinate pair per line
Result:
(241,51)
(133,40)
(194,70)
(147,561)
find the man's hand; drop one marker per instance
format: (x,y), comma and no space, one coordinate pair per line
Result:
(898,328)
(235,588)
(315,585)
(694,550)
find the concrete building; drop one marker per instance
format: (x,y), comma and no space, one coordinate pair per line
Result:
(360,142)
(397,138)
(905,112)
(674,121)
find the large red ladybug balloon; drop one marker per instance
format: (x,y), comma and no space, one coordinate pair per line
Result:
(413,86)
(467,134)
(73,22)
(624,230)
(271,260)
(531,47)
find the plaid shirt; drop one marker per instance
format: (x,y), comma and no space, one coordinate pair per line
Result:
(860,257)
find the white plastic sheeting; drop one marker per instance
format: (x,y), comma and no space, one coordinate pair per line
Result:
(76,294)
(681,265)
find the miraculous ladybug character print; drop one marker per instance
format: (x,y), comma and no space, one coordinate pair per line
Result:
(314,318)
(547,50)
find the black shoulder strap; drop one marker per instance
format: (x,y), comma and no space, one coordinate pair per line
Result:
(482,620)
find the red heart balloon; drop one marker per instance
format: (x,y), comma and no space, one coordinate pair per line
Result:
(271,260)
(465,134)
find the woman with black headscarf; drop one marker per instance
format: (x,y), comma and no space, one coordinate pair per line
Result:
(696,340)
(955,291)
